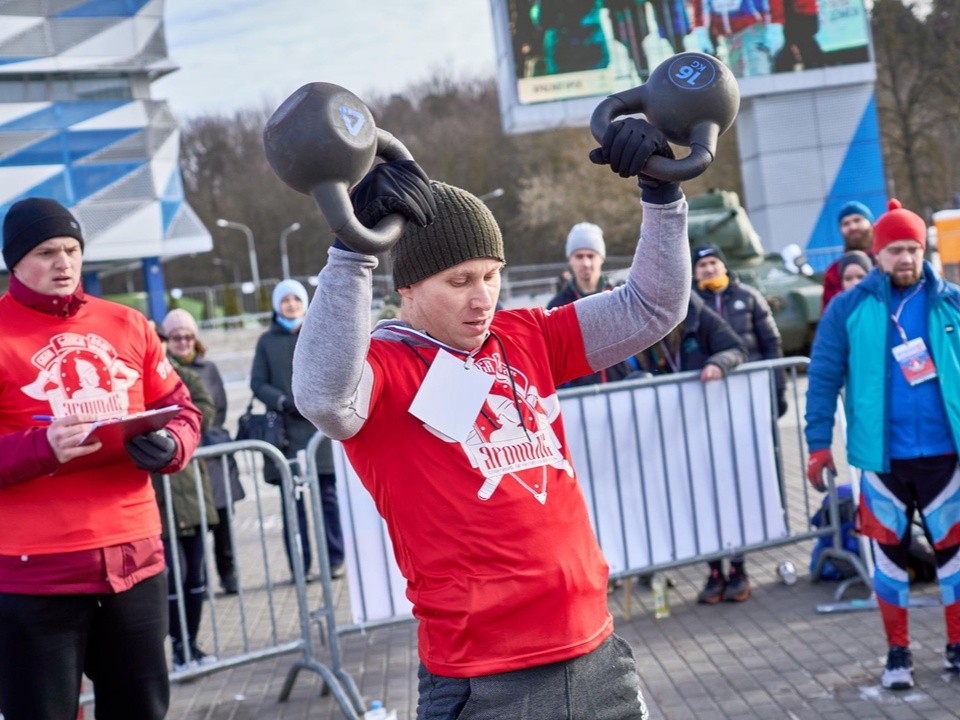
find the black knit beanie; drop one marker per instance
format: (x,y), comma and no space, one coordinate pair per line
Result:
(30,222)
(463,228)
(699,253)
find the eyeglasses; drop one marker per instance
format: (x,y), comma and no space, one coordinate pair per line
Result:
(182,338)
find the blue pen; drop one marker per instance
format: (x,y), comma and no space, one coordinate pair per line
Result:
(43,418)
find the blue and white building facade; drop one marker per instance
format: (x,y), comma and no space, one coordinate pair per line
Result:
(809,143)
(77,124)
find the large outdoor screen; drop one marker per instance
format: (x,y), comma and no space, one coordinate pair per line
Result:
(556,57)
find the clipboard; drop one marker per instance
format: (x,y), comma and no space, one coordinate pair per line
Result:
(116,431)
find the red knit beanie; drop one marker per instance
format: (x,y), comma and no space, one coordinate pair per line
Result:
(898,224)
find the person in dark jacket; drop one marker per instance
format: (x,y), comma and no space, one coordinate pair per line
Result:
(270,381)
(748,313)
(704,341)
(586,252)
(185,348)
(743,307)
(188,531)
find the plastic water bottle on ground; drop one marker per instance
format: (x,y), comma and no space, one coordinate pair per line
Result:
(661,603)
(378,712)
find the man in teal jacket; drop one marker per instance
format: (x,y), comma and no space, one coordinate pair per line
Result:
(893,343)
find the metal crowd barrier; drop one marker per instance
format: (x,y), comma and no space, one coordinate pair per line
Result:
(256,623)
(674,471)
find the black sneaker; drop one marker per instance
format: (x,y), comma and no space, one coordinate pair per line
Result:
(199,657)
(951,659)
(179,658)
(229,584)
(712,592)
(898,674)
(738,587)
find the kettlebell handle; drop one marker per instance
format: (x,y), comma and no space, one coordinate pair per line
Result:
(703,142)
(692,98)
(334,201)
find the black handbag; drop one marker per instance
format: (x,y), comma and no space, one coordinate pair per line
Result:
(267,427)
(216,436)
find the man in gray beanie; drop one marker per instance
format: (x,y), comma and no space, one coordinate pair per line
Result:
(450,417)
(83,588)
(586,252)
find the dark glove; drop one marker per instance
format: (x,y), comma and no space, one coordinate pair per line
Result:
(627,146)
(151,451)
(819,461)
(287,406)
(401,187)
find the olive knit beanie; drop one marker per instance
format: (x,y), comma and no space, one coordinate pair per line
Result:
(462,229)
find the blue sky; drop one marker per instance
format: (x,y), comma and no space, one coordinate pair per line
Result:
(241,53)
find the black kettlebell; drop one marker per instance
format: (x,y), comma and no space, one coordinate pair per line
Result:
(692,98)
(321,141)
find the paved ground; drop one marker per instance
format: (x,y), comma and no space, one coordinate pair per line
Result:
(771,657)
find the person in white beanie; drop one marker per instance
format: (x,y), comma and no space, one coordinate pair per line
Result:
(586,252)
(270,381)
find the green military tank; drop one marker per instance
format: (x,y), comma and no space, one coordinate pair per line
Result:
(716,217)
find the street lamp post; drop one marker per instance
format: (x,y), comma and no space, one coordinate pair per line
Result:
(232,266)
(251,247)
(493,194)
(284,259)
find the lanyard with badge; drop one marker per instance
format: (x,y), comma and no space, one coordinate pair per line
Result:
(452,392)
(912,355)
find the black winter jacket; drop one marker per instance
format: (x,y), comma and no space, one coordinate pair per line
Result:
(703,337)
(749,315)
(568,294)
(271,378)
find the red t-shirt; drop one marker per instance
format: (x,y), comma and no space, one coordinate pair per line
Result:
(508,582)
(106,360)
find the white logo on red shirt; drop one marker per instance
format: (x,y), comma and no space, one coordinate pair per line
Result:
(513,435)
(81,374)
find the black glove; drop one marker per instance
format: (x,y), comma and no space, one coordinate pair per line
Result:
(401,187)
(287,406)
(151,451)
(627,146)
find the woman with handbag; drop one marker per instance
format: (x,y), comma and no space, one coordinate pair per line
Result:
(185,348)
(271,382)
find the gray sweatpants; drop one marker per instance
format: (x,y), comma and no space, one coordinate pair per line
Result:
(601,685)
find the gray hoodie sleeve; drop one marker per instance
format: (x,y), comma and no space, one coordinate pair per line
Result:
(331,378)
(653,301)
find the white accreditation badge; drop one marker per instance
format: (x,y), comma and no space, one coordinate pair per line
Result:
(451,395)
(914,361)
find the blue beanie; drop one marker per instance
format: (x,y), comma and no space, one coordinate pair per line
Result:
(855,207)
(288,287)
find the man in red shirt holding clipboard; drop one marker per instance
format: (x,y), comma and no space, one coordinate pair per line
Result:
(82,587)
